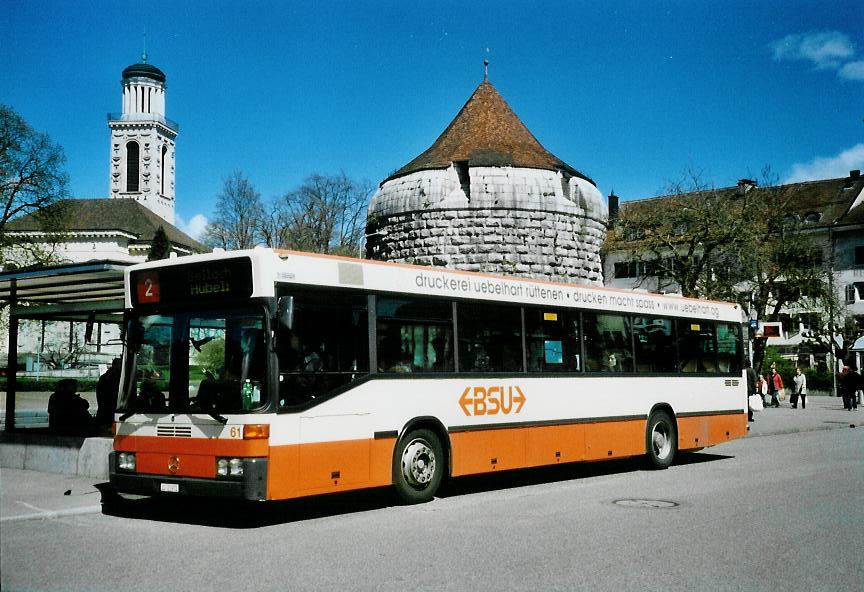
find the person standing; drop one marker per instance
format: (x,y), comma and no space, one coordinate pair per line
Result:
(800,390)
(106,394)
(751,388)
(848,385)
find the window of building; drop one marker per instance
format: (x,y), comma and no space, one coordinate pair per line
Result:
(490,338)
(552,340)
(859,256)
(851,294)
(628,269)
(414,335)
(133,166)
(608,343)
(164,164)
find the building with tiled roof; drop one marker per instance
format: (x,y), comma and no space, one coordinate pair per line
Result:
(89,229)
(487,196)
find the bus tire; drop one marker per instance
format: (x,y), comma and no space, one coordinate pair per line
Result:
(418,466)
(661,440)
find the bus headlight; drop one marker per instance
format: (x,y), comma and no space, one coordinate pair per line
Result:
(229,467)
(126,461)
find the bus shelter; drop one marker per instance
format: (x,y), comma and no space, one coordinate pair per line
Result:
(90,293)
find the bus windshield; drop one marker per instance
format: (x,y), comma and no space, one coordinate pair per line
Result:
(209,362)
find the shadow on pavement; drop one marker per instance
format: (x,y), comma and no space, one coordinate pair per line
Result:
(244,515)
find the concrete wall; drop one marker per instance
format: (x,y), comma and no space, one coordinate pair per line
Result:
(87,457)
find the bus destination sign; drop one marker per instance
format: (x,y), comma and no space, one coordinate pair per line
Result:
(213,280)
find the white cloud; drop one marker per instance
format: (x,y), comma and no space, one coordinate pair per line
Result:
(852,71)
(195,227)
(828,49)
(828,167)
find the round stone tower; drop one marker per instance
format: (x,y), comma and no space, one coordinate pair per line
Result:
(486,196)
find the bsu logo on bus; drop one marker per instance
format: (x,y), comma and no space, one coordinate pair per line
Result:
(492,400)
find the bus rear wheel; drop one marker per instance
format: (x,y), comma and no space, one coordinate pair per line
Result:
(661,439)
(418,466)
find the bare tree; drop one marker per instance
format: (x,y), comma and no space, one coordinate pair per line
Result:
(747,245)
(682,239)
(238,214)
(327,214)
(32,179)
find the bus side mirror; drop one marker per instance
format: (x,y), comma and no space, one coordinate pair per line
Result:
(285,311)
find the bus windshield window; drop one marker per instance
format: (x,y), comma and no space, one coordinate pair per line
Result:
(608,343)
(326,348)
(490,338)
(211,362)
(414,335)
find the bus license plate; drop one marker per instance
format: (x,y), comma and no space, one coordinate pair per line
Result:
(170,487)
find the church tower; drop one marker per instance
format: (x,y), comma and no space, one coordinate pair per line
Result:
(142,142)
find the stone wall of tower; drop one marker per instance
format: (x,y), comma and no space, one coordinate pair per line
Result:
(515,221)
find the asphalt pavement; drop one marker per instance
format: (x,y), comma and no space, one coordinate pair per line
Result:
(34,495)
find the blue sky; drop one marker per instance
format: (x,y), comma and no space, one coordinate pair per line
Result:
(632,94)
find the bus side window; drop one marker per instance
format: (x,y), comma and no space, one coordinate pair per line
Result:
(697,346)
(490,338)
(608,342)
(414,335)
(552,339)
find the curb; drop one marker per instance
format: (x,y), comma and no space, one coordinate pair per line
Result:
(50,514)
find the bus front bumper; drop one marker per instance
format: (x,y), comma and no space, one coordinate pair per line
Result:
(252,486)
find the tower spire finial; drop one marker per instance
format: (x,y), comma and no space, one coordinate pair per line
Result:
(144,53)
(486,70)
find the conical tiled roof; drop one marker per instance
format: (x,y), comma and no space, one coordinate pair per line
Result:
(487,132)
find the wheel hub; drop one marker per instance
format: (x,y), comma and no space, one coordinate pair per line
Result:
(418,464)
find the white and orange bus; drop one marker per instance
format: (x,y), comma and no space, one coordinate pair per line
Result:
(267,375)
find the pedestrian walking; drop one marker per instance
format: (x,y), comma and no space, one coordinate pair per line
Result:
(800,389)
(775,387)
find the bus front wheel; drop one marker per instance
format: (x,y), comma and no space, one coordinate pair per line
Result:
(418,466)
(661,438)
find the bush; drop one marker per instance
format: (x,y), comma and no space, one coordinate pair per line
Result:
(27,384)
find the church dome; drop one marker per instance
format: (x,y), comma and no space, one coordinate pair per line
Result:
(144,70)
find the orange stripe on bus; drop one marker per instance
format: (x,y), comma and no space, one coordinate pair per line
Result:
(699,432)
(325,467)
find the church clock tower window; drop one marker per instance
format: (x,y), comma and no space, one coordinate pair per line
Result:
(133,167)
